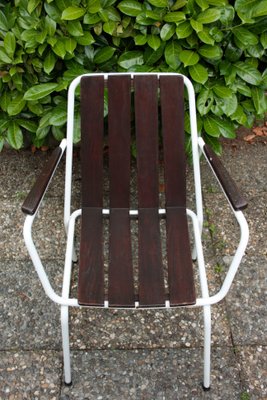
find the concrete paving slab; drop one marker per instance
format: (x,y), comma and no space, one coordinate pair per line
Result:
(151,375)
(30,375)
(252,360)
(246,302)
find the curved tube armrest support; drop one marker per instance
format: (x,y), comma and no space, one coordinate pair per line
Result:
(232,192)
(38,190)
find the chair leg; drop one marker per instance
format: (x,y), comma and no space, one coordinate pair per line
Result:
(207,346)
(65,343)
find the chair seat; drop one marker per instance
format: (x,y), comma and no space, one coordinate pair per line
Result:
(155,285)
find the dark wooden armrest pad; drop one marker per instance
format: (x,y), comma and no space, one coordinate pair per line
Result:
(236,199)
(33,199)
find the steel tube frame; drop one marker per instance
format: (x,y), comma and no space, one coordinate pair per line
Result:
(197,219)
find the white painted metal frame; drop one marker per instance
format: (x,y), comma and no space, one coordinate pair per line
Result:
(197,221)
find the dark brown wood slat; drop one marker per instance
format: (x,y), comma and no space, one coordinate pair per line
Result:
(172,114)
(91,272)
(33,199)
(119,131)
(229,186)
(151,281)
(180,269)
(92,130)
(121,286)
(146,122)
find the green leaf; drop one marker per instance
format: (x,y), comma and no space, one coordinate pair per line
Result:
(104,54)
(154,41)
(214,143)
(40,91)
(175,16)
(75,28)
(209,15)
(50,26)
(210,52)
(205,37)
(260,9)
(245,36)
(248,73)
(239,116)
(151,56)
(73,12)
(204,101)
(86,39)
(196,25)
(229,105)
(49,62)
(14,135)
(16,105)
(10,44)
(4,58)
(215,126)
(203,4)
(259,100)
(58,133)
(198,73)
(171,54)
(94,6)
(263,39)
(130,58)
(178,4)
(189,57)
(3,21)
(227,15)
(109,27)
(30,126)
(70,45)
(32,4)
(159,3)
(184,30)
(130,7)
(58,116)
(140,40)
(167,31)
(222,91)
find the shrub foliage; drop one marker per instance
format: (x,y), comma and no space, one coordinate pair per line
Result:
(220,44)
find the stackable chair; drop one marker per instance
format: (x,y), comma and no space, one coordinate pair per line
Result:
(155,102)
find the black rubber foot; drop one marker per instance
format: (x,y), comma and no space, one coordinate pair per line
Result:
(68,384)
(206,389)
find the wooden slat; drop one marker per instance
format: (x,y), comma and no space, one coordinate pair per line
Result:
(34,197)
(180,270)
(119,138)
(92,130)
(228,184)
(172,113)
(151,281)
(121,286)
(91,272)
(146,122)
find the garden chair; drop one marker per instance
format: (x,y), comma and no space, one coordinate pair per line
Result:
(155,97)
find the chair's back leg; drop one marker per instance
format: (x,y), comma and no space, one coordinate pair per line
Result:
(207,346)
(66,344)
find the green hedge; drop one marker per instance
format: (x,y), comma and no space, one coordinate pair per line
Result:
(220,44)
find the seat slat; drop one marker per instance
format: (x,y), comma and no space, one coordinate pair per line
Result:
(180,269)
(91,272)
(151,281)
(92,131)
(121,286)
(172,114)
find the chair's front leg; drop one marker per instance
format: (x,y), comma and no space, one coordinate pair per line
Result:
(66,344)
(207,346)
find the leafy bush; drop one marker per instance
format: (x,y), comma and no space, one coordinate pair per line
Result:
(220,44)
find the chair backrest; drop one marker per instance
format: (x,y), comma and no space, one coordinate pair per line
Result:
(158,103)
(151,98)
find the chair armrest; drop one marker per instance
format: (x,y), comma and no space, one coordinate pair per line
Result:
(34,197)
(232,192)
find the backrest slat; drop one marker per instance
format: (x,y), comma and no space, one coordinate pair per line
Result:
(146,121)
(119,127)
(172,115)
(92,131)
